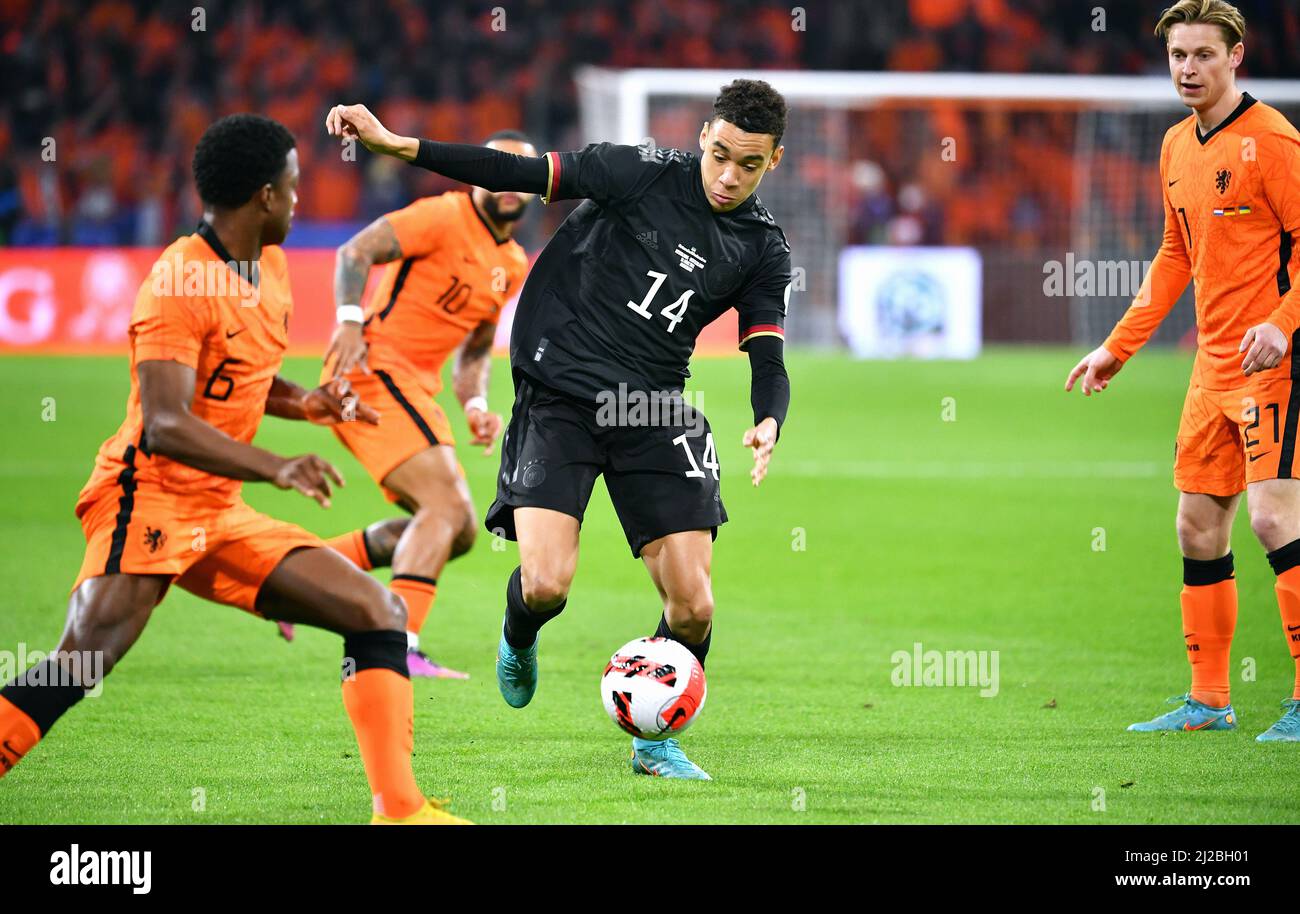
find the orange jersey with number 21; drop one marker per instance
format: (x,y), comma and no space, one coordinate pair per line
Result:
(1232,210)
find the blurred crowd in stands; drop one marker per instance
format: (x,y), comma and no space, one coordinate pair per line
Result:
(103,100)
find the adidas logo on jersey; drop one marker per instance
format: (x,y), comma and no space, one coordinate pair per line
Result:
(689,258)
(650,239)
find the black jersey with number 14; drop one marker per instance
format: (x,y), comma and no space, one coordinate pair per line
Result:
(622,290)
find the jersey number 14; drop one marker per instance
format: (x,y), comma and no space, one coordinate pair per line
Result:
(674,312)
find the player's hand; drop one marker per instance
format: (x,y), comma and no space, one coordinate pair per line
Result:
(485,426)
(334,402)
(762,438)
(310,475)
(1264,345)
(1097,368)
(356,122)
(348,348)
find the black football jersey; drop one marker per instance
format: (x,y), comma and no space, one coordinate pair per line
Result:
(621,291)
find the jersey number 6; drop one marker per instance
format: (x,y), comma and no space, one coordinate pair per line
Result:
(210,389)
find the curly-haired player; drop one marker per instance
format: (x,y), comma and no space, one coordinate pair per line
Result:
(163,504)
(665,242)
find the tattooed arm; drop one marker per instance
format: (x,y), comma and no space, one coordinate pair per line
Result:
(376,243)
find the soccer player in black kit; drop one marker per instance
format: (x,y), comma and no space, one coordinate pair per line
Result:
(665,242)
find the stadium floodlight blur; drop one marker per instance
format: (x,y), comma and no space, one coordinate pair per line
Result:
(1032,170)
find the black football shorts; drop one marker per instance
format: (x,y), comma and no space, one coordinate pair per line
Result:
(660,464)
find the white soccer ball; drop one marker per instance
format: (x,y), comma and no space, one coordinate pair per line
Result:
(653,688)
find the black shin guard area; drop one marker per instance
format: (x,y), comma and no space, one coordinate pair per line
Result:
(39,694)
(1200,573)
(381,650)
(700,650)
(522,623)
(1286,557)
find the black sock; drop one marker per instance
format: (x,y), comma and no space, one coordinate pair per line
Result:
(522,623)
(370,552)
(700,650)
(384,650)
(38,694)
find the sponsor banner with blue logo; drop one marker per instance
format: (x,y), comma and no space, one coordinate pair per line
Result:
(911,301)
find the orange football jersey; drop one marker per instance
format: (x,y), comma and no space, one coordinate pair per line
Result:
(454,275)
(196,310)
(1232,208)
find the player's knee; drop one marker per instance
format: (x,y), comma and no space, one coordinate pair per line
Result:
(379,609)
(544,590)
(1198,539)
(1273,528)
(691,610)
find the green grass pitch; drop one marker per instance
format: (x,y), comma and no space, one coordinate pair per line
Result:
(881,525)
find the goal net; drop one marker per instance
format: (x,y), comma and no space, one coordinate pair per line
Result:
(1047,177)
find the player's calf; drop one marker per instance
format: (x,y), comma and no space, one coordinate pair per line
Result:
(106,615)
(465,537)
(381,540)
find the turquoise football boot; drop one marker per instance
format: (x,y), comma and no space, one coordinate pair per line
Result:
(516,672)
(1287,729)
(1190,715)
(663,758)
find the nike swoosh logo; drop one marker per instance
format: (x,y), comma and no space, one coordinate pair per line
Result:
(1292,628)
(236,333)
(1254,457)
(1174,181)
(1188,726)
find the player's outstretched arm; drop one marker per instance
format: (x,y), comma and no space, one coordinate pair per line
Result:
(166,389)
(478,165)
(1161,288)
(1096,368)
(470,381)
(356,122)
(769,395)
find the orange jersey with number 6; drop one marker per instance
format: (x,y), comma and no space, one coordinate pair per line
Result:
(194,309)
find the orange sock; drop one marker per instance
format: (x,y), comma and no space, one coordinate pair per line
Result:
(380,704)
(353,546)
(1209,601)
(419,594)
(1288,602)
(18,734)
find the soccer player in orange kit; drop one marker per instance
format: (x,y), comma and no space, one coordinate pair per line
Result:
(163,504)
(452,266)
(1230,174)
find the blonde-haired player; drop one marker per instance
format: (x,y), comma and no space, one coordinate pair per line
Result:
(1230,174)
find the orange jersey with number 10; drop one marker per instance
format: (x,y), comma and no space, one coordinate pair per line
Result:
(1232,210)
(454,275)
